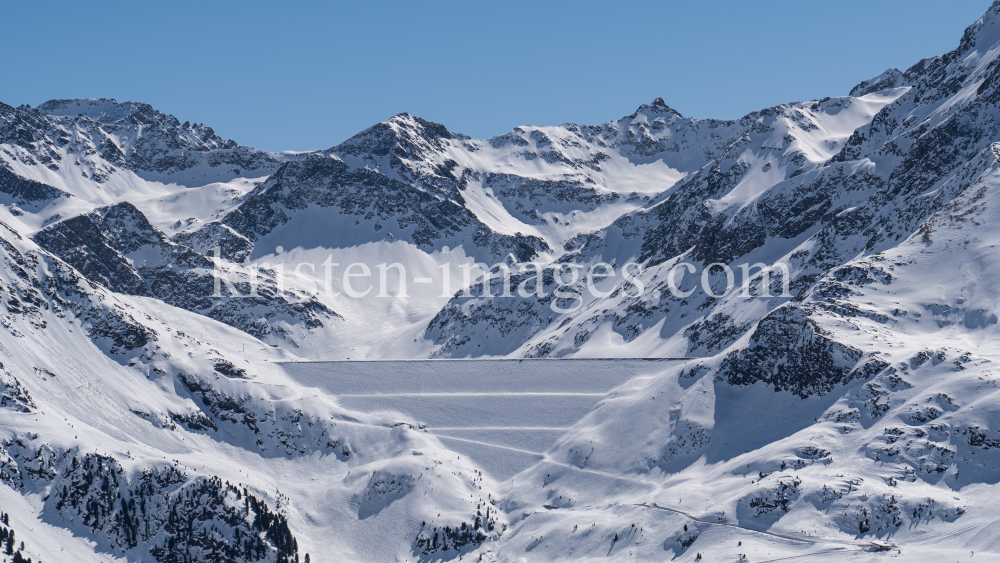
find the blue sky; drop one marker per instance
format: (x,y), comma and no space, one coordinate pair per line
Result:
(307,75)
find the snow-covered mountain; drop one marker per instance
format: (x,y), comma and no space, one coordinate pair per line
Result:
(842,400)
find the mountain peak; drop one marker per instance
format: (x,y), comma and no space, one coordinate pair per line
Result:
(658,106)
(422,127)
(984,33)
(401,130)
(888,79)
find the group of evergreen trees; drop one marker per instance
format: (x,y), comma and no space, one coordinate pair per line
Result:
(7,540)
(196,513)
(447,538)
(199,520)
(432,539)
(275,528)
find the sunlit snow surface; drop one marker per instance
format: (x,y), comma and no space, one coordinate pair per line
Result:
(861,407)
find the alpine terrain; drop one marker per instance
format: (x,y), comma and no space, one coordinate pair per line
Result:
(390,349)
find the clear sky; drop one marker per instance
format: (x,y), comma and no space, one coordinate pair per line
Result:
(285,75)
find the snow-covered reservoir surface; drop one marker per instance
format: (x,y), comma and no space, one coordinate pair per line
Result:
(504,414)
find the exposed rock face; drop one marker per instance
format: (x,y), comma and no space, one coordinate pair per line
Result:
(230,244)
(789,351)
(326,183)
(24,191)
(109,135)
(118,248)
